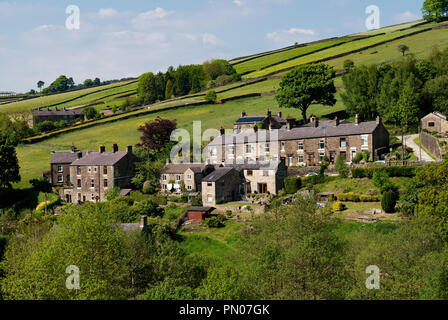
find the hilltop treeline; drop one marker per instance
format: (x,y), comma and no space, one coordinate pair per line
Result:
(185,80)
(402,91)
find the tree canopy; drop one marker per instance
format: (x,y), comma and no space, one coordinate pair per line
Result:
(435,10)
(9,164)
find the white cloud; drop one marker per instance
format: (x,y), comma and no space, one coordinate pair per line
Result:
(146,18)
(238,3)
(292,35)
(405,17)
(207,39)
(107,13)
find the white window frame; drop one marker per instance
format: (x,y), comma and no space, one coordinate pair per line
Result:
(321,141)
(364,138)
(178,177)
(189,187)
(92,181)
(214,152)
(189,177)
(61,180)
(301,156)
(89,169)
(340,143)
(321,156)
(267,147)
(300,146)
(290,160)
(78,170)
(248,148)
(282,146)
(164,177)
(92,197)
(60,169)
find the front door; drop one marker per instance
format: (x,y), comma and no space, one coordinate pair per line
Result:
(332,156)
(262,188)
(311,159)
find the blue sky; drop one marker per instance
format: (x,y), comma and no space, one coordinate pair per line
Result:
(120,39)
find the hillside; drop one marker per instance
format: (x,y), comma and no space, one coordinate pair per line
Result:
(371,47)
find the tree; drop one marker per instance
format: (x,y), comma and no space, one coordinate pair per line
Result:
(97,82)
(348,65)
(9,164)
(436,91)
(389,201)
(147,88)
(156,134)
(169,90)
(403,48)
(211,96)
(435,10)
(341,167)
(88,83)
(410,101)
(91,113)
(40,84)
(61,84)
(306,85)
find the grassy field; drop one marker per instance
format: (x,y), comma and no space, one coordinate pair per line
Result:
(391,28)
(346,47)
(264,61)
(27,105)
(34,158)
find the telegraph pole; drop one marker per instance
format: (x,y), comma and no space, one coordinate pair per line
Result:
(402,143)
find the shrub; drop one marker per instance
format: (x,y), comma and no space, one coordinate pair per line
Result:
(112,193)
(338,206)
(41,184)
(146,208)
(389,201)
(331,197)
(366,155)
(350,196)
(148,188)
(357,158)
(368,198)
(292,185)
(229,214)
(341,167)
(211,96)
(213,222)
(359,173)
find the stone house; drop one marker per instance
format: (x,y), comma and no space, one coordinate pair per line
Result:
(435,121)
(95,173)
(304,145)
(220,186)
(56,115)
(251,123)
(60,162)
(190,174)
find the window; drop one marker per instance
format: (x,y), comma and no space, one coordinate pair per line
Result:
(178,177)
(250,173)
(104,170)
(95,169)
(105,183)
(321,157)
(163,186)
(343,143)
(59,168)
(283,146)
(266,147)
(92,183)
(321,144)
(231,149)
(189,176)
(78,170)
(189,188)
(79,197)
(300,158)
(92,196)
(209,198)
(265,173)
(290,159)
(248,148)
(67,178)
(209,184)
(365,140)
(164,177)
(214,152)
(300,146)
(79,183)
(431,124)
(60,178)
(89,169)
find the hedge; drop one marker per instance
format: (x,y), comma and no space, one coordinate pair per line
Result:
(394,171)
(292,184)
(355,197)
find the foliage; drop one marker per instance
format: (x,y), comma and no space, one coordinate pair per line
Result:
(348,65)
(358,157)
(91,113)
(392,171)
(111,194)
(224,283)
(338,206)
(306,85)
(355,197)
(435,10)
(211,96)
(213,222)
(382,182)
(341,167)
(156,134)
(389,201)
(292,184)
(42,184)
(9,164)
(403,48)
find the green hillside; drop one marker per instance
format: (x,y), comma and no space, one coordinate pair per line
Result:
(121,129)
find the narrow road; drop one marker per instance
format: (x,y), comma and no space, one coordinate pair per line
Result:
(409,141)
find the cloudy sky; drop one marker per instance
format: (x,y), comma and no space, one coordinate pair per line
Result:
(118,39)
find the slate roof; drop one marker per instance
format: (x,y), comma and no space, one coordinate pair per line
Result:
(100,159)
(440,115)
(325,129)
(206,209)
(124,192)
(259,165)
(180,168)
(58,112)
(217,174)
(65,156)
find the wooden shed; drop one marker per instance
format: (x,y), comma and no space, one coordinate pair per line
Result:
(198,213)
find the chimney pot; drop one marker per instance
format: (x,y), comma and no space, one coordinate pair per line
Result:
(336,121)
(222,131)
(378,119)
(279,114)
(115,148)
(79,155)
(268,113)
(357,119)
(243,114)
(129,149)
(102,149)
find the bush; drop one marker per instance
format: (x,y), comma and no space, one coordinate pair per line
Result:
(41,184)
(389,201)
(338,206)
(148,188)
(213,222)
(292,185)
(355,197)
(368,198)
(211,96)
(112,193)
(393,171)
(357,158)
(229,214)
(341,167)
(146,208)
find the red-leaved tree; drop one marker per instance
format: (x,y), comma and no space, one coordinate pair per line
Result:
(156,134)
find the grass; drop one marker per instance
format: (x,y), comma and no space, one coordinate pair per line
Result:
(27,105)
(332,52)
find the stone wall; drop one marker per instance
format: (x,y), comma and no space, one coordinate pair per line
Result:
(432,144)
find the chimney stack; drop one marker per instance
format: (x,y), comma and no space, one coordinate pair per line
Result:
(279,114)
(269,113)
(314,122)
(336,121)
(222,131)
(79,155)
(102,149)
(115,148)
(243,114)
(288,125)
(357,119)
(73,147)
(129,149)
(378,120)
(143,223)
